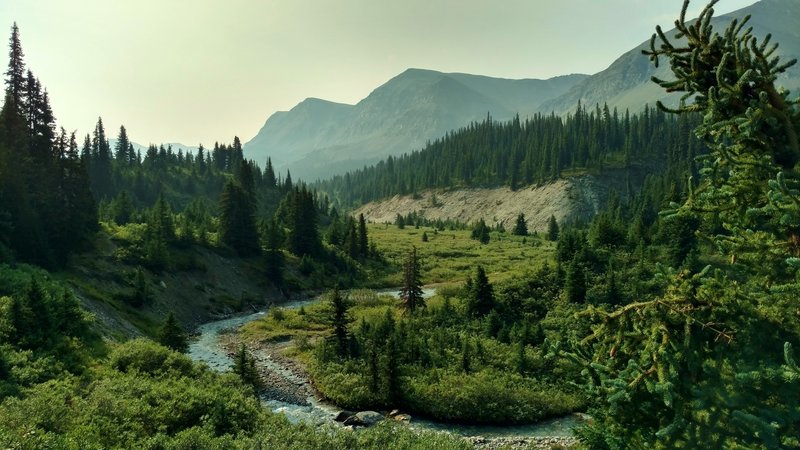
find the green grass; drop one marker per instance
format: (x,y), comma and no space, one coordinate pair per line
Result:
(451,256)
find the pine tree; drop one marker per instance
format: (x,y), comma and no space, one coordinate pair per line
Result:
(237,224)
(552,229)
(244,365)
(363,239)
(273,256)
(172,335)
(520,228)
(411,296)
(340,320)
(480,295)
(121,148)
(15,75)
(575,282)
(303,233)
(269,175)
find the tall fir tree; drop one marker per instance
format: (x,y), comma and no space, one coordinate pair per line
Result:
(411,296)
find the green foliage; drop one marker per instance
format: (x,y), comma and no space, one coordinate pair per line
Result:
(710,360)
(480,232)
(172,335)
(480,294)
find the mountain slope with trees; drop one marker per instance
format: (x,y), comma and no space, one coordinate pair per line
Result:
(318,138)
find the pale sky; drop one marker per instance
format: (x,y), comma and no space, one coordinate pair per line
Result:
(195,71)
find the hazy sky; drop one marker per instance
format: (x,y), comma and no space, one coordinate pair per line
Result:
(196,71)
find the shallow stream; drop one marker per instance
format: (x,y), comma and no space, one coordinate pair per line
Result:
(208,349)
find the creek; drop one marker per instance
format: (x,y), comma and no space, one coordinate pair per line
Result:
(208,348)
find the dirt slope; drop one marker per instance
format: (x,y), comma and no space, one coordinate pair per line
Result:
(569,200)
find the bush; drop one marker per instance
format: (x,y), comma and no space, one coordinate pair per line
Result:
(145,356)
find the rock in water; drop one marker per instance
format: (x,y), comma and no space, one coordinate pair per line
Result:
(343,416)
(369,418)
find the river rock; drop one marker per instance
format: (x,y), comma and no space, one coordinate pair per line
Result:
(353,421)
(405,418)
(343,416)
(364,418)
(370,417)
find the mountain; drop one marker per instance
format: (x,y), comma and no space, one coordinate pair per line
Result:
(318,138)
(626,83)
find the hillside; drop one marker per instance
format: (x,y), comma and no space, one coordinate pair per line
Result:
(317,138)
(570,200)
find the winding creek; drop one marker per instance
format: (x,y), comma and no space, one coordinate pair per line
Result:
(208,348)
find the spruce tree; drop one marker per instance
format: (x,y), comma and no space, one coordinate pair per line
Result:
(552,229)
(411,296)
(480,295)
(171,335)
(15,75)
(244,365)
(237,224)
(711,360)
(121,147)
(520,227)
(363,239)
(340,320)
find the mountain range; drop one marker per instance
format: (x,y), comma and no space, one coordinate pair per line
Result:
(318,138)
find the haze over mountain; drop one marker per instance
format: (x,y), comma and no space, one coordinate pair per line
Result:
(627,82)
(318,138)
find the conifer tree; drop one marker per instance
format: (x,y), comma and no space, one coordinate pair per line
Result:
(708,360)
(411,296)
(340,320)
(480,295)
(121,147)
(520,227)
(269,175)
(237,224)
(363,239)
(552,229)
(15,75)
(244,365)
(172,335)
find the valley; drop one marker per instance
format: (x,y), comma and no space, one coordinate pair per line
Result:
(456,261)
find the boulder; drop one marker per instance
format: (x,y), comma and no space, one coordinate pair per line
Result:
(343,415)
(354,421)
(364,419)
(369,418)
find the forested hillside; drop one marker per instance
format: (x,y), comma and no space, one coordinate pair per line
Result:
(534,151)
